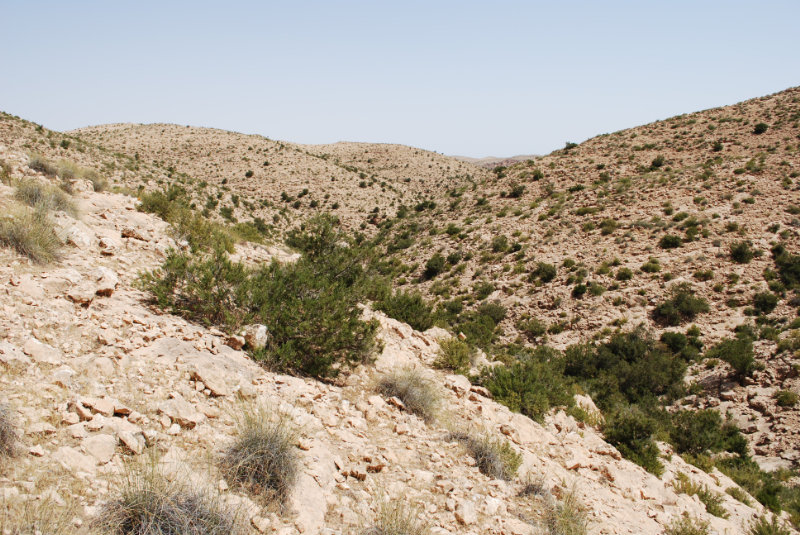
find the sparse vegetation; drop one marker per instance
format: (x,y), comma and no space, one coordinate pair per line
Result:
(495,457)
(31,233)
(454,354)
(8,435)
(418,393)
(681,306)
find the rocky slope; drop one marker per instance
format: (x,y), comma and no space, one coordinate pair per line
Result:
(94,376)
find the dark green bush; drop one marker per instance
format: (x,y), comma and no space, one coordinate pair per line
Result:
(409,308)
(435,265)
(494,311)
(681,306)
(786,398)
(651,266)
(701,431)
(632,432)
(760,128)
(532,328)
(765,302)
(500,244)
(624,274)
(545,272)
(579,290)
(310,307)
(483,290)
(608,226)
(741,252)
(532,384)
(788,266)
(738,352)
(657,162)
(670,241)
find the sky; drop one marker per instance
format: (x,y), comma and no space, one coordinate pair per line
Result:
(461,78)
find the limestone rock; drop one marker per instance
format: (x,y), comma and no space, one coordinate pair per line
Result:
(74,461)
(256,336)
(42,353)
(101,447)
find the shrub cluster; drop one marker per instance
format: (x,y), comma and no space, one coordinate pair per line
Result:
(681,306)
(310,307)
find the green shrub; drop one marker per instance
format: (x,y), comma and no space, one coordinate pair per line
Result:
(704,275)
(670,241)
(657,162)
(545,272)
(764,527)
(785,398)
(263,458)
(741,252)
(760,128)
(765,302)
(738,352)
(624,274)
(454,354)
(739,495)
(418,394)
(494,311)
(532,384)
(712,500)
(31,233)
(483,289)
(632,432)
(532,328)
(163,203)
(681,306)
(701,431)
(495,457)
(435,265)
(310,307)
(788,266)
(499,244)
(409,308)
(608,226)
(579,290)
(651,266)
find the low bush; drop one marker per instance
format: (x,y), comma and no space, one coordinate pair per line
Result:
(762,526)
(494,457)
(263,458)
(765,302)
(681,306)
(454,354)
(701,431)
(651,266)
(632,432)
(483,289)
(310,307)
(741,252)
(434,266)
(532,384)
(418,393)
(608,226)
(545,272)
(738,352)
(760,128)
(712,500)
(31,233)
(739,495)
(788,266)
(409,308)
(39,163)
(624,274)
(785,398)
(153,502)
(44,515)
(670,241)
(532,328)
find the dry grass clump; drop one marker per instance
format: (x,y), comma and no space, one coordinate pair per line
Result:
(764,527)
(153,503)
(8,435)
(495,457)
(418,394)
(5,172)
(263,458)
(45,516)
(534,485)
(396,517)
(566,516)
(686,525)
(49,197)
(39,163)
(31,232)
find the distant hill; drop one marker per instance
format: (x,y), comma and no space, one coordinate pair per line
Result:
(491,161)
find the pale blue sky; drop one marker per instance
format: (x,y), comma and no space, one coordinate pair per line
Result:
(472,78)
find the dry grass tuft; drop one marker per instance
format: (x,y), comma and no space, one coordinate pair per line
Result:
(418,394)
(45,196)
(686,525)
(41,164)
(153,503)
(44,516)
(32,234)
(263,458)
(495,457)
(534,485)
(566,516)
(8,435)
(396,517)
